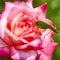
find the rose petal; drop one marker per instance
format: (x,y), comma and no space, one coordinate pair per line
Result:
(34,45)
(2,44)
(23,55)
(3,22)
(29,3)
(46,53)
(43,7)
(15,38)
(41,10)
(0,16)
(46,37)
(48,45)
(4,50)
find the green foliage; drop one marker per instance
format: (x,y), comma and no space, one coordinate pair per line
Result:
(44,25)
(53,13)
(5,59)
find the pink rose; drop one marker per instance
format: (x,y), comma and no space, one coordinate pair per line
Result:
(20,38)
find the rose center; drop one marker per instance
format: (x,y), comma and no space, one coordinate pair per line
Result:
(22,27)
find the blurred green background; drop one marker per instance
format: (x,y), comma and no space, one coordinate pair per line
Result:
(53,13)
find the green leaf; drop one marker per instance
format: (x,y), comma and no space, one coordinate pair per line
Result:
(44,25)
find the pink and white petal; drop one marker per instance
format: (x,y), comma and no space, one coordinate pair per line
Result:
(47,37)
(50,48)
(6,39)
(43,8)
(39,13)
(13,12)
(23,55)
(46,53)
(48,45)
(31,58)
(4,50)
(3,22)
(36,43)
(32,45)
(29,3)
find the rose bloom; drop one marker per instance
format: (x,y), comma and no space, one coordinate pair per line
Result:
(20,38)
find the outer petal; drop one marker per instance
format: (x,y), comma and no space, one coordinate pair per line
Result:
(47,37)
(4,16)
(48,45)
(43,8)
(0,16)
(4,50)
(29,3)
(3,21)
(46,53)
(23,55)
